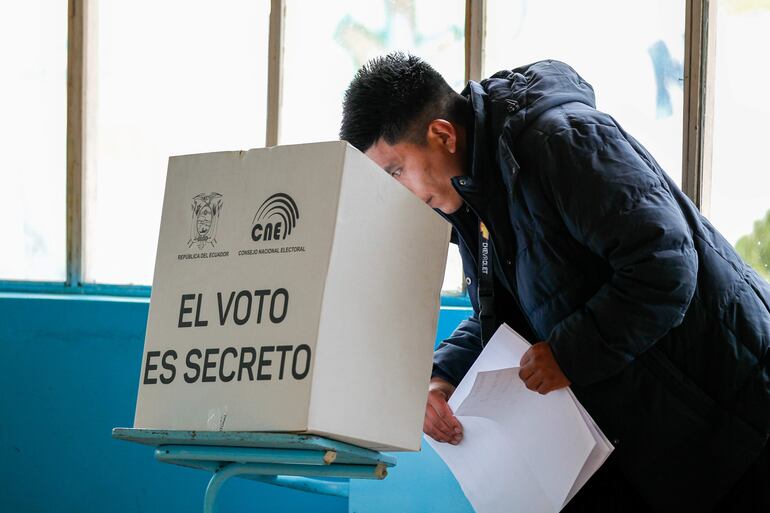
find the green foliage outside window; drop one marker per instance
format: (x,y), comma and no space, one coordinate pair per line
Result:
(754,248)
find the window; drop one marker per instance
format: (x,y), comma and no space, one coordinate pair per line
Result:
(163,78)
(33,102)
(740,187)
(325,43)
(175,77)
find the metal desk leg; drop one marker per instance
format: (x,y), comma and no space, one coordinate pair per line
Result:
(216,482)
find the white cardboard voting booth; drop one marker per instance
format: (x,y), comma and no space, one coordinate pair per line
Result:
(296,289)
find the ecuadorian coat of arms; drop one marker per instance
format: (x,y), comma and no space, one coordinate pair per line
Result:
(205,218)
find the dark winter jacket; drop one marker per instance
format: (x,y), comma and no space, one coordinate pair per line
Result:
(661,327)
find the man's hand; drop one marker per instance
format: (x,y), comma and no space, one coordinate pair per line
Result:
(440,423)
(540,371)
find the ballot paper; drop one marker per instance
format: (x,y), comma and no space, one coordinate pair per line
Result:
(521,451)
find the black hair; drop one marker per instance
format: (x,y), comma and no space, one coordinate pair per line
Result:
(395,97)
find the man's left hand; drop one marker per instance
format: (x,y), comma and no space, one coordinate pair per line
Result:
(540,371)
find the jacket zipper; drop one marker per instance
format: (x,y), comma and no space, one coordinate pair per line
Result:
(492,243)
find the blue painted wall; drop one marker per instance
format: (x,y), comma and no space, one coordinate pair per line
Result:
(69,368)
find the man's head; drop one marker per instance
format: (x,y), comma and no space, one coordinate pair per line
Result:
(404,116)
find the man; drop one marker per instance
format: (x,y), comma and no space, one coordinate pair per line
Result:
(572,234)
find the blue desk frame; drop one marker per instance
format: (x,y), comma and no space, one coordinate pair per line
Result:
(281,459)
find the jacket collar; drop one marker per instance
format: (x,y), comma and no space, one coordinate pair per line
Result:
(472,184)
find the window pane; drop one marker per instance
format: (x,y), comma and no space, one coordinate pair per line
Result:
(631,52)
(740,197)
(164,78)
(326,42)
(453,276)
(33,170)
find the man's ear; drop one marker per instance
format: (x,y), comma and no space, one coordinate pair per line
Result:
(443,133)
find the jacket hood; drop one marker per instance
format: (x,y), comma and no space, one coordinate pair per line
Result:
(517,97)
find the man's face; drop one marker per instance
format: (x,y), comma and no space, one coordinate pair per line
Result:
(426,169)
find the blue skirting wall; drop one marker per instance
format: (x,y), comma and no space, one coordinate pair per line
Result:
(69,374)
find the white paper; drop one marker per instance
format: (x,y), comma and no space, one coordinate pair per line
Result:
(521,451)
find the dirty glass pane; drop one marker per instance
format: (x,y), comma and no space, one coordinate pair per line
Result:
(740,189)
(164,78)
(632,53)
(33,125)
(326,42)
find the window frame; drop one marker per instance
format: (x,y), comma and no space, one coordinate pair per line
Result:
(700,26)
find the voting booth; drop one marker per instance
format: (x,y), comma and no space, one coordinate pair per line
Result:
(297,290)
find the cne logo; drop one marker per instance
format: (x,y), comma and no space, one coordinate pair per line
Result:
(275,218)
